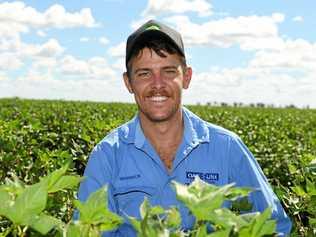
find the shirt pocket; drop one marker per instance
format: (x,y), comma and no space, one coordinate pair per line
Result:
(129,199)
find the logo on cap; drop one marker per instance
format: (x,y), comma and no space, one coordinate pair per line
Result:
(152,27)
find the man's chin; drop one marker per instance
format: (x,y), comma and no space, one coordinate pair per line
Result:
(156,116)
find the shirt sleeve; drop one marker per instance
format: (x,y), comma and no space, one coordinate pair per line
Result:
(97,174)
(246,172)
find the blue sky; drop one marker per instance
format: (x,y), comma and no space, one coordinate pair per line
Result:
(241,51)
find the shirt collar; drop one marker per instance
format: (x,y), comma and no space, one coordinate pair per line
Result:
(195,130)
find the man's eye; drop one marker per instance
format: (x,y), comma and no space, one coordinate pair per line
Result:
(170,73)
(142,74)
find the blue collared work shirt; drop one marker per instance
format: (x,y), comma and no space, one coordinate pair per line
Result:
(126,162)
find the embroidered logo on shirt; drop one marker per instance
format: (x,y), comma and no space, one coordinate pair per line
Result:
(208,177)
(136,176)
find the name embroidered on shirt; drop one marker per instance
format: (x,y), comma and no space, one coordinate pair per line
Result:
(130,177)
(208,177)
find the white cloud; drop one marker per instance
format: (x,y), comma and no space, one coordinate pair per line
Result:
(10,61)
(252,85)
(118,50)
(244,31)
(294,54)
(100,69)
(202,7)
(278,17)
(55,16)
(39,86)
(84,39)
(298,19)
(10,44)
(48,64)
(11,29)
(41,33)
(95,68)
(14,52)
(49,49)
(3,76)
(119,65)
(103,40)
(72,66)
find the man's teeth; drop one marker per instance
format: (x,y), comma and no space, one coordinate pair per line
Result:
(158,98)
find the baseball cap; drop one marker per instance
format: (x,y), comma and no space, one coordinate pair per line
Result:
(153,29)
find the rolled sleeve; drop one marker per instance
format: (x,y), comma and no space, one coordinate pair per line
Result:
(246,172)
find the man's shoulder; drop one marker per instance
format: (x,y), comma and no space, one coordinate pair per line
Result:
(210,129)
(121,134)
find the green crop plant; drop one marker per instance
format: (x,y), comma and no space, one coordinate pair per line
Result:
(24,206)
(205,202)
(39,136)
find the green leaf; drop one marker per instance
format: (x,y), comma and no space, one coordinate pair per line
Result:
(227,219)
(261,224)
(144,208)
(29,203)
(201,198)
(221,233)
(249,217)
(44,223)
(95,211)
(156,210)
(135,223)
(54,177)
(241,205)
(292,168)
(77,229)
(310,187)
(312,222)
(299,190)
(268,228)
(73,231)
(111,221)
(173,218)
(65,182)
(236,192)
(5,200)
(201,231)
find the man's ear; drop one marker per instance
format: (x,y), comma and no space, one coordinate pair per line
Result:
(127,82)
(187,77)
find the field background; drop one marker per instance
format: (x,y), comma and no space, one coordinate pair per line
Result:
(38,136)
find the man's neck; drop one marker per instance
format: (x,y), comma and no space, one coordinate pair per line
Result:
(165,137)
(163,133)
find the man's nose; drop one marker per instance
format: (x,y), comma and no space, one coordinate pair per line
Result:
(158,80)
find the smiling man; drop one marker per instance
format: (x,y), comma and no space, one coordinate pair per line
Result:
(166,142)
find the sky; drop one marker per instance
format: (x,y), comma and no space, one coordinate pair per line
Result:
(245,51)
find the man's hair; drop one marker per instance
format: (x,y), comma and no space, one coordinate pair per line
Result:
(159,46)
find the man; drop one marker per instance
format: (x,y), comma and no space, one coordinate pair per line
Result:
(166,141)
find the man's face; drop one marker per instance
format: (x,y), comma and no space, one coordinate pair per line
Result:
(157,83)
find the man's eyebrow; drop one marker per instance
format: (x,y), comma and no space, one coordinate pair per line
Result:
(141,69)
(170,67)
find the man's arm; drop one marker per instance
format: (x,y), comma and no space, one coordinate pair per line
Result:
(98,173)
(245,171)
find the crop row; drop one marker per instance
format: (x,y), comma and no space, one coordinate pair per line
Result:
(37,137)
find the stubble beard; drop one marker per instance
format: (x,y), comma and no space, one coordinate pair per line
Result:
(159,119)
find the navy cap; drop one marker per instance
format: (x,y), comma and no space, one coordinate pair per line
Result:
(153,29)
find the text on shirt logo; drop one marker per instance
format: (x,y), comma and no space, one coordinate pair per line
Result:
(130,177)
(208,177)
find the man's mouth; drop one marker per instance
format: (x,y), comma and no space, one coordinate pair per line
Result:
(158,98)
